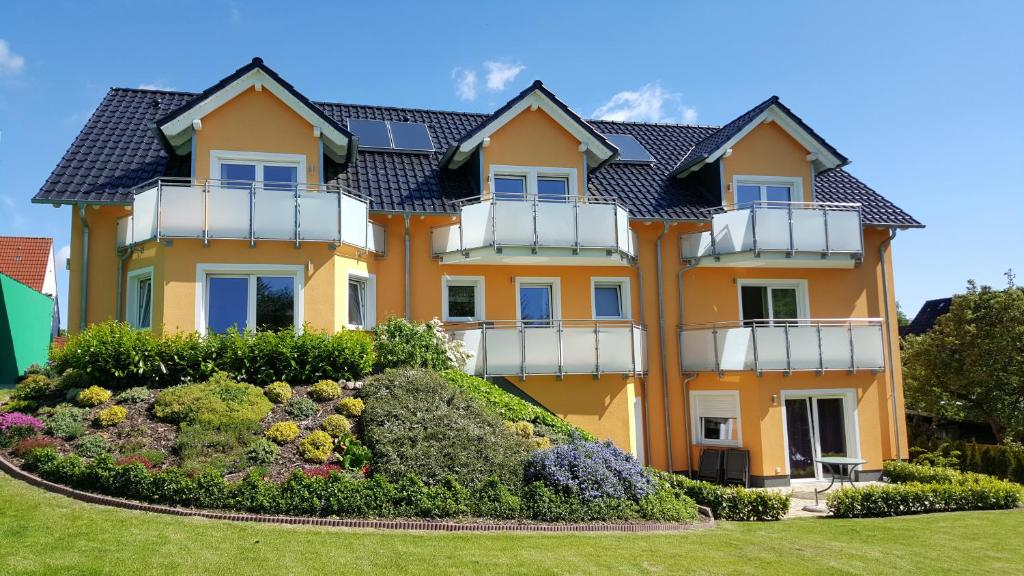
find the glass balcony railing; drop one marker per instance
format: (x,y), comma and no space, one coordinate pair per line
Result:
(246,210)
(797,345)
(819,234)
(535,226)
(554,347)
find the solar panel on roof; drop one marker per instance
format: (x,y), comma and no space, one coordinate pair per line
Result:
(371,133)
(630,149)
(410,136)
(391,135)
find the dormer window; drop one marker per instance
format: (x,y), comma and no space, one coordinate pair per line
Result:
(527,182)
(274,171)
(752,189)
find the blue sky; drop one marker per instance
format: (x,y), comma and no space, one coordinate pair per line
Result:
(925,97)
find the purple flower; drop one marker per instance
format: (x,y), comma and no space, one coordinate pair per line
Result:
(590,470)
(19,420)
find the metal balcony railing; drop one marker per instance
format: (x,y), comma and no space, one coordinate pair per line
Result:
(785,346)
(168,208)
(789,228)
(536,223)
(553,347)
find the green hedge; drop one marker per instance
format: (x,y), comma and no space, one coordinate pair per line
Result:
(731,502)
(511,408)
(992,459)
(348,496)
(919,489)
(114,355)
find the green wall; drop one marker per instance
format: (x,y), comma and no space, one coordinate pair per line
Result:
(26,318)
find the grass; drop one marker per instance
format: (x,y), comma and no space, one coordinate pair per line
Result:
(49,534)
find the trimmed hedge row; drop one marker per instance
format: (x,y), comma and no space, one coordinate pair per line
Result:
(920,489)
(114,355)
(336,494)
(731,502)
(992,459)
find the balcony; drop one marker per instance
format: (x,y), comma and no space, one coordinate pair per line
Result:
(237,210)
(556,347)
(799,345)
(569,232)
(779,234)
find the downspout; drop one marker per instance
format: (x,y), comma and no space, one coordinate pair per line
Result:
(643,381)
(888,336)
(121,259)
(661,343)
(687,379)
(85,266)
(408,285)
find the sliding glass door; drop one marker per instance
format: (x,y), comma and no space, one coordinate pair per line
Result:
(816,426)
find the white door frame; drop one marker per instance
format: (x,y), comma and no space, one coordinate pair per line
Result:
(851,423)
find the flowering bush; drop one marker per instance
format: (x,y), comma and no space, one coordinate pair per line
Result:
(111,416)
(336,425)
(316,447)
(282,432)
(590,470)
(321,471)
(16,423)
(278,392)
(403,344)
(26,445)
(135,459)
(350,407)
(325,391)
(93,396)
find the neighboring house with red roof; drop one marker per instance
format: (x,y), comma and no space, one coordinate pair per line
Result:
(29,260)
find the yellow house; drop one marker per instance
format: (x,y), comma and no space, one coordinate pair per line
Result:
(671,288)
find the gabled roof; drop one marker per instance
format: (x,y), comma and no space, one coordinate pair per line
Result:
(177,125)
(25,259)
(536,95)
(926,317)
(714,145)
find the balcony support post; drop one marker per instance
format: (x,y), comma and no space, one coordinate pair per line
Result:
(789,355)
(252,215)
(561,357)
(339,218)
(576,226)
(597,350)
(828,247)
(536,233)
(522,351)
(714,346)
(753,339)
(753,229)
(159,210)
(792,244)
(298,226)
(206,213)
(853,362)
(483,347)
(821,353)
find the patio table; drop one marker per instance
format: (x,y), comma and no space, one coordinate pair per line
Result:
(840,467)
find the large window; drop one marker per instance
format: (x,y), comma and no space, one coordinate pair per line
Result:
(276,171)
(538,301)
(462,298)
(522,182)
(772,301)
(139,301)
(362,311)
(751,189)
(716,417)
(611,300)
(250,299)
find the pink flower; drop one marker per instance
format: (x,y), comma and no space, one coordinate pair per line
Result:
(19,420)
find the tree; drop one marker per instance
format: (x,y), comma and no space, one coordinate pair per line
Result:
(970,366)
(901,318)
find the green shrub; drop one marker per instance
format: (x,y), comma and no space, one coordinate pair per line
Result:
(34,388)
(93,396)
(336,425)
(112,353)
(352,454)
(111,416)
(205,449)
(300,408)
(515,409)
(918,498)
(282,432)
(133,395)
(219,402)
(24,406)
(316,447)
(399,343)
(1002,461)
(415,423)
(522,429)
(324,391)
(350,407)
(65,421)
(261,452)
(92,446)
(278,392)
(730,502)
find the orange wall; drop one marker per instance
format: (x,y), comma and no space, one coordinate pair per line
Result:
(534,139)
(103,260)
(767,150)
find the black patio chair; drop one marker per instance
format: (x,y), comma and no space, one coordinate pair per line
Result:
(737,467)
(710,469)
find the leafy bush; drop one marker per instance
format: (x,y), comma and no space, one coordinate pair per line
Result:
(324,391)
(399,343)
(219,402)
(65,421)
(282,432)
(353,454)
(111,416)
(203,448)
(316,447)
(92,446)
(111,352)
(1001,461)
(513,408)
(18,406)
(278,392)
(730,502)
(26,445)
(336,425)
(300,408)
(34,388)
(590,471)
(522,429)
(133,395)
(93,396)
(15,426)
(350,407)
(415,423)
(261,452)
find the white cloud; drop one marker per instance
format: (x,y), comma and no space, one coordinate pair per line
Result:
(155,86)
(499,74)
(650,103)
(10,63)
(62,255)
(465,83)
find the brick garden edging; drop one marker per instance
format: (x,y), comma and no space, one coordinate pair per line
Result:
(706,522)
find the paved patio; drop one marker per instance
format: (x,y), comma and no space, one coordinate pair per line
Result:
(803,495)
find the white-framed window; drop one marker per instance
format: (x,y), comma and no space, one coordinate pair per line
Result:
(522,182)
(774,301)
(241,169)
(750,189)
(610,298)
(248,297)
(538,300)
(715,417)
(462,298)
(139,298)
(362,300)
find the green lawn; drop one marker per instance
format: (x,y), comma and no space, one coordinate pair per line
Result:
(47,534)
